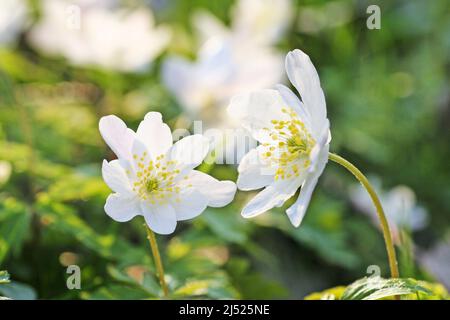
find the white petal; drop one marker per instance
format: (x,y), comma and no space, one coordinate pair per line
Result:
(253,174)
(320,150)
(304,77)
(218,193)
(294,102)
(155,134)
(190,203)
(189,152)
(122,208)
(256,110)
(297,211)
(117,136)
(140,154)
(115,177)
(161,219)
(273,195)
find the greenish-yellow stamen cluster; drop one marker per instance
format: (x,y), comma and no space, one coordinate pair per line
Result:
(155,179)
(290,146)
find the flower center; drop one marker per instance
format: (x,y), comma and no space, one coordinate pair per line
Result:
(155,179)
(290,145)
(151,184)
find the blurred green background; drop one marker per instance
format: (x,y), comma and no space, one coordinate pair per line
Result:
(388,101)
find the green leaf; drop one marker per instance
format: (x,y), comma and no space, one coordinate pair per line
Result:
(374,288)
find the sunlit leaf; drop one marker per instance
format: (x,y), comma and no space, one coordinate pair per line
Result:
(374,288)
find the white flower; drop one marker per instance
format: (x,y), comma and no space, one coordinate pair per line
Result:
(400,206)
(294,140)
(13,15)
(156,179)
(107,36)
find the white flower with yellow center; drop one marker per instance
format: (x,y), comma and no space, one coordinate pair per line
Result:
(294,140)
(155,178)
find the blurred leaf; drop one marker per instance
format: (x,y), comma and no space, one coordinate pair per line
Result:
(4,277)
(146,283)
(226,224)
(115,292)
(63,218)
(18,291)
(15,219)
(21,68)
(252,284)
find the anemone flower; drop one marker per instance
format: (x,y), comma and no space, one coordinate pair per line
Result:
(294,140)
(294,137)
(155,178)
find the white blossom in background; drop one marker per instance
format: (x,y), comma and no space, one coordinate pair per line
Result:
(400,206)
(436,260)
(155,178)
(262,22)
(13,17)
(108,36)
(204,88)
(229,61)
(220,71)
(294,140)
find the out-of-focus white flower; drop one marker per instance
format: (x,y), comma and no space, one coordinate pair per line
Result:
(436,260)
(315,18)
(156,179)
(294,140)
(261,22)
(204,88)
(99,33)
(264,21)
(221,70)
(399,203)
(13,16)
(230,60)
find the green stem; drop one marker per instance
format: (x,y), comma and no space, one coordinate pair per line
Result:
(376,201)
(158,262)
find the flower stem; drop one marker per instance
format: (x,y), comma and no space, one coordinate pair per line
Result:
(376,201)
(158,262)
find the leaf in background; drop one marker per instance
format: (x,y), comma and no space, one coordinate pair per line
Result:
(63,218)
(215,286)
(334,293)
(226,224)
(374,288)
(141,280)
(15,218)
(4,277)
(327,239)
(115,292)
(18,291)
(252,284)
